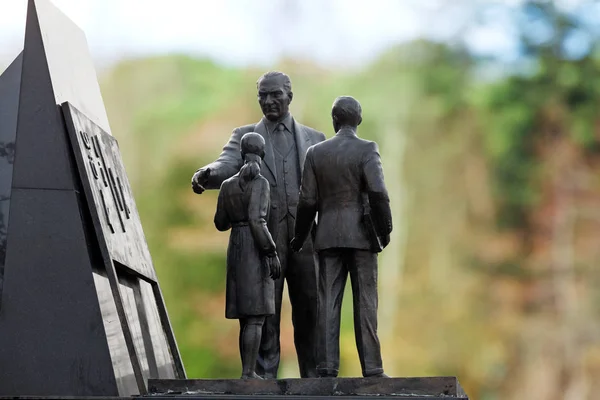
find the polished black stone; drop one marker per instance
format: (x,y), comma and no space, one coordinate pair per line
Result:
(122,366)
(52,341)
(124,247)
(165,364)
(447,387)
(43,160)
(10,82)
(82,312)
(69,63)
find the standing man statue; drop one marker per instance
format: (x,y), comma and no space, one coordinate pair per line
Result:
(286,142)
(343,180)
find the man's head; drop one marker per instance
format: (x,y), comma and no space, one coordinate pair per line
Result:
(274,95)
(346,112)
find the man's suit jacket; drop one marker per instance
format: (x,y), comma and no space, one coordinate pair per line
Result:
(336,174)
(230,161)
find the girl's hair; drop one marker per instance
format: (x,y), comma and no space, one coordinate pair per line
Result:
(250,169)
(253,150)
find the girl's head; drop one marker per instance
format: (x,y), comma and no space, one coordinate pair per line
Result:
(252,144)
(252,147)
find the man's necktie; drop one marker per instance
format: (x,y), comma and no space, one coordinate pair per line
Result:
(280,139)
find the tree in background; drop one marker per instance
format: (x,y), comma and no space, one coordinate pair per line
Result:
(541,139)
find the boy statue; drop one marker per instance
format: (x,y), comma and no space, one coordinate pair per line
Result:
(343,180)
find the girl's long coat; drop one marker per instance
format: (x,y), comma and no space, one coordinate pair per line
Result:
(244,208)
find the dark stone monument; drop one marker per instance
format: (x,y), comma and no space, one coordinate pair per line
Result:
(81,310)
(10,84)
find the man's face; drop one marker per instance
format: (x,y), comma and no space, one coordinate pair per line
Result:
(273,98)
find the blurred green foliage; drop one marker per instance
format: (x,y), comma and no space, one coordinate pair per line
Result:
(490,275)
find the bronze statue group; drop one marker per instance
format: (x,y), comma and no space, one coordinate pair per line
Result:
(306,210)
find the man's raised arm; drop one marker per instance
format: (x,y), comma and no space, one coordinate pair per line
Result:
(228,164)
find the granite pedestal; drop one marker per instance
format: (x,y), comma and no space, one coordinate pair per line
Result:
(312,388)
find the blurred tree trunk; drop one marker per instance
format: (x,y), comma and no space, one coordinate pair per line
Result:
(391,269)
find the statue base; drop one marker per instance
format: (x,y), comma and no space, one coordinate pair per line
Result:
(310,388)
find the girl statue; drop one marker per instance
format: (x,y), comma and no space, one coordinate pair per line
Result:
(252,262)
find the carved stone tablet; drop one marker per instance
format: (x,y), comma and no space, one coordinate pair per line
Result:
(97,152)
(123,247)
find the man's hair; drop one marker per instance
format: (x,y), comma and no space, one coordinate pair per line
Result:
(346,110)
(287,83)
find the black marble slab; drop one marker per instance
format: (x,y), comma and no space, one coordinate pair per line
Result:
(52,341)
(446,387)
(10,85)
(128,264)
(81,312)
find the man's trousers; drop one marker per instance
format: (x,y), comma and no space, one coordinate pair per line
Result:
(334,266)
(299,270)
